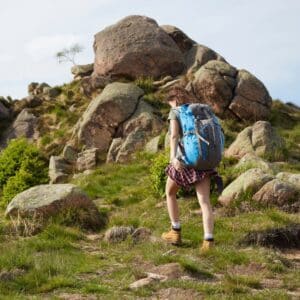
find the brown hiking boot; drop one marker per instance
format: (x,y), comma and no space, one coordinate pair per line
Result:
(172,237)
(206,245)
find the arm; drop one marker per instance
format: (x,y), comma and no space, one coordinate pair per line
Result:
(174,138)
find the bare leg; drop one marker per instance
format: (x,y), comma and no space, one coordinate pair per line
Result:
(171,190)
(203,195)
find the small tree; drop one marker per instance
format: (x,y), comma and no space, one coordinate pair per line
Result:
(68,54)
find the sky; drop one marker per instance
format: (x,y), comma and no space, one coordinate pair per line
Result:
(261,36)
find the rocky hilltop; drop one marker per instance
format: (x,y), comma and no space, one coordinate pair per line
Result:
(110,113)
(93,222)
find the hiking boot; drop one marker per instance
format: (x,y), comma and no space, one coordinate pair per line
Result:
(206,245)
(173,237)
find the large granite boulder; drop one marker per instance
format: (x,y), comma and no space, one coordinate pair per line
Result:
(198,55)
(136,46)
(251,97)
(248,182)
(48,200)
(231,93)
(97,127)
(261,139)
(214,84)
(183,42)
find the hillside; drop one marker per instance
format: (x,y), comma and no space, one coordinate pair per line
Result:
(82,203)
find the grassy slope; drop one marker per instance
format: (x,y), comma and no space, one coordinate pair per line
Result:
(63,259)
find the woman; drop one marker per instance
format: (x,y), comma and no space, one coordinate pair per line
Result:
(179,175)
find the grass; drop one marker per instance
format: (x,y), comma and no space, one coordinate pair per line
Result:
(61,259)
(55,261)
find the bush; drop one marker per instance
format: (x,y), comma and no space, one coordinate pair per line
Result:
(145,83)
(157,172)
(21,166)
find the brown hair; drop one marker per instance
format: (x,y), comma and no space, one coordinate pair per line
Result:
(179,93)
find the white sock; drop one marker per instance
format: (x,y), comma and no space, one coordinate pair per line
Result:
(208,236)
(176,225)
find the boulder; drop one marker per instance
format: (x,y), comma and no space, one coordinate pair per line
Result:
(252,99)
(134,141)
(135,132)
(32,87)
(48,200)
(136,47)
(87,159)
(97,127)
(248,182)
(261,139)
(114,149)
(277,192)
(69,153)
(199,55)
(4,112)
(59,169)
(23,126)
(231,93)
(32,101)
(183,42)
(82,70)
(250,160)
(210,87)
(292,178)
(51,92)
(141,234)
(153,145)
(118,234)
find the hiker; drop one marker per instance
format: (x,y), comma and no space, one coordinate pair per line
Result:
(181,175)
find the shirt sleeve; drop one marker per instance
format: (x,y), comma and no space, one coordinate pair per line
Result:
(172,115)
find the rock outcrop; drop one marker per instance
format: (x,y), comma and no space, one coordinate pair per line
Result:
(118,121)
(105,113)
(230,92)
(136,46)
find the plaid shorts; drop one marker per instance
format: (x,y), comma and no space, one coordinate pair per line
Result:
(187,177)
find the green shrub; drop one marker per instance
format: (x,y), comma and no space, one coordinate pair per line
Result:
(10,159)
(145,83)
(19,172)
(157,172)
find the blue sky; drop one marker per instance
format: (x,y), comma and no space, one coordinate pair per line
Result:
(260,36)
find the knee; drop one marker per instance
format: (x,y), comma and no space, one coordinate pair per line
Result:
(170,193)
(203,200)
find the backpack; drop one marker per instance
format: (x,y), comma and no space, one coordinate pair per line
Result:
(202,144)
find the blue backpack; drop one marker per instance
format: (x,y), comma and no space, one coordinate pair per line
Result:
(202,144)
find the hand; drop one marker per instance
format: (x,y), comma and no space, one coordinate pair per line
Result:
(177,164)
